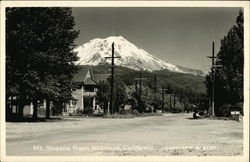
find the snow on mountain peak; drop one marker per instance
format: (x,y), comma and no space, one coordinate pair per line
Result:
(95,51)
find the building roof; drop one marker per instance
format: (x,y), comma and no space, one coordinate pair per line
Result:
(89,81)
(80,75)
(86,76)
(100,77)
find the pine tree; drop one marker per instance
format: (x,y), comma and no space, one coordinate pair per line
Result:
(229,78)
(103,93)
(39,57)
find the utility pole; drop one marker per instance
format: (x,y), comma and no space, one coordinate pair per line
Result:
(213,78)
(112,78)
(174,101)
(212,73)
(170,103)
(140,86)
(180,97)
(155,85)
(163,89)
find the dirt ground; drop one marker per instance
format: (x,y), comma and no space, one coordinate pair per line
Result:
(170,134)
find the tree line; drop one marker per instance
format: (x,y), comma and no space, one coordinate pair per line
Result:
(40,63)
(40,66)
(228,78)
(39,57)
(149,98)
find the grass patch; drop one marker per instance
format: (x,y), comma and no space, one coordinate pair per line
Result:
(127,116)
(51,119)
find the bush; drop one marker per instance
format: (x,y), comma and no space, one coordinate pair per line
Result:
(79,112)
(239,107)
(149,108)
(225,110)
(121,111)
(135,112)
(127,116)
(117,115)
(188,107)
(88,110)
(155,101)
(176,110)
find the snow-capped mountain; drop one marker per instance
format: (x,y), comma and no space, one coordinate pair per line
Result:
(95,51)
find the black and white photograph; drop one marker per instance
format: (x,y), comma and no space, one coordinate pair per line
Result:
(125,80)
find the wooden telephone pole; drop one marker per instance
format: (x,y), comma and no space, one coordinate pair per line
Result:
(170,98)
(140,85)
(174,101)
(155,83)
(213,78)
(163,89)
(212,73)
(112,78)
(170,103)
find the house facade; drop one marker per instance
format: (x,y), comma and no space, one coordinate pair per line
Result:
(84,91)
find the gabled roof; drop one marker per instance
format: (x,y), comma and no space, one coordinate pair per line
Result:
(86,76)
(83,73)
(89,81)
(80,75)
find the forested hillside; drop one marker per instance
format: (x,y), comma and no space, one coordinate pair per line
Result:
(188,87)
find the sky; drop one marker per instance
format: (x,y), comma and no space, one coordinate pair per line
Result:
(182,36)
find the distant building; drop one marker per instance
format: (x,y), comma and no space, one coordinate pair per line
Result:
(13,108)
(84,94)
(84,91)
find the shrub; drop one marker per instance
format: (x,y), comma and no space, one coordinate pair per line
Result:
(135,112)
(121,111)
(127,111)
(176,110)
(79,112)
(117,115)
(188,107)
(239,107)
(225,110)
(88,110)
(149,108)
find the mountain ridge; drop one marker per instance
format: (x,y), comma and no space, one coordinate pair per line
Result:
(183,81)
(95,51)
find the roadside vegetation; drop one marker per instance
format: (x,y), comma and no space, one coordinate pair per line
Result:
(228,81)
(41,67)
(39,57)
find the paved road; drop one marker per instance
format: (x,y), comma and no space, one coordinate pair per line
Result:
(171,134)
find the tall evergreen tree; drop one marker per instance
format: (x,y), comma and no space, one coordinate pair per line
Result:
(229,78)
(103,93)
(39,54)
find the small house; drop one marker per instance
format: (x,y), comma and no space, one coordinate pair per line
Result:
(84,92)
